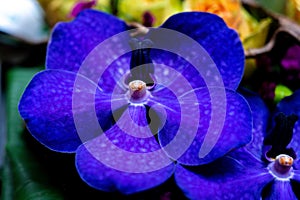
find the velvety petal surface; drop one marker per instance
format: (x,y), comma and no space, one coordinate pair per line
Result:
(113,77)
(296,175)
(224,124)
(168,66)
(71,42)
(290,104)
(295,143)
(178,120)
(221,43)
(225,178)
(281,190)
(260,115)
(126,158)
(57,111)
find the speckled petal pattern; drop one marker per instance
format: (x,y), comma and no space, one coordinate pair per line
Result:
(225,178)
(235,132)
(261,116)
(221,43)
(179,118)
(124,159)
(132,132)
(71,42)
(46,107)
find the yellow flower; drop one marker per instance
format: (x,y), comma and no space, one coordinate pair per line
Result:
(133,10)
(293,9)
(56,10)
(253,33)
(59,10)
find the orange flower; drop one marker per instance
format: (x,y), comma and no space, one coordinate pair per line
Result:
(252,32)
(229,10)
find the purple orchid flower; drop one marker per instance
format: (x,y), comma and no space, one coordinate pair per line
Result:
(266,168)
(291,60)
(81,5)
(145,112)
(291,67)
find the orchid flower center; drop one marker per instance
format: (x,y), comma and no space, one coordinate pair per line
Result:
(141,77)
(281,156)
(282,168)
(137,91)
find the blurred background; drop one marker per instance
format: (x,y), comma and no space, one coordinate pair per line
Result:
(270,34)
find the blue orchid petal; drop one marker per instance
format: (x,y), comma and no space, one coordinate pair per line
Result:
(71,42)
(175,120)
(132,132)
(126,158)
(295,143)
(113,78)
(166,62)
(291,105)
(296,175)
(261,115)
(220,42)
(281,190)
(46,106)
(235,129)
(226,178)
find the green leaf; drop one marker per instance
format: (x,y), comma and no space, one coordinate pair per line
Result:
(7,186)
(281,91)
(275,6)
(23,176)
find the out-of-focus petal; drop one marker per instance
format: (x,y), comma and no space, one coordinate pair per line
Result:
(80,6)
(291,59)
(57,10)
(133,10)
(291,9)
(253,33)
(23,19)
(226,178)
(230,11)
(126,158)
